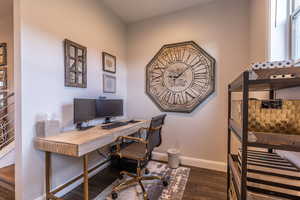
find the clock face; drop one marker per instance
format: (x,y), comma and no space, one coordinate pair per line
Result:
(180,77)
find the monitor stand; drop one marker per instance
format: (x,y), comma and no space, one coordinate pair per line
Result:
(107,120)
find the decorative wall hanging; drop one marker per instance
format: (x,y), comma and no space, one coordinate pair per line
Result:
(109,84)
(109,62)
(3,54)
(180,77)
(75,65)
(3,78)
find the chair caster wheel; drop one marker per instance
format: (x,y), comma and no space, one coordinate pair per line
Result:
(165,183)
(121,176)
(146,197)
(114,195)
(147,171)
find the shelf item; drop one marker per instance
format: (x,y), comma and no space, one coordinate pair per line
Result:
(269,73)
(275,116)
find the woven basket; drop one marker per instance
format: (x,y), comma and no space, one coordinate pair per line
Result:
(284,121)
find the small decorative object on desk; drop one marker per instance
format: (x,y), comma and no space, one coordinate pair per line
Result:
(47,128)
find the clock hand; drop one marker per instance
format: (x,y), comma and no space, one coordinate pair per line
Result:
(182,73)
(172,77)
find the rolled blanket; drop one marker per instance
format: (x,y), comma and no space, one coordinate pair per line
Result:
(272,65)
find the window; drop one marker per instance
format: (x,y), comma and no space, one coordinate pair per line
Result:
(295,30)
(296,4)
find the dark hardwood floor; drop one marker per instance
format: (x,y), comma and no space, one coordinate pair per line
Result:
(206,184)
(7,183)
(96,184)
(203,184)
(6,194)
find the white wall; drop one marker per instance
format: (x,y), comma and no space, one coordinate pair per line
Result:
(44,26)
(259,16)
(222,29)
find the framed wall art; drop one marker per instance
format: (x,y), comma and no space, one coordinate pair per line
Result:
(3,78)
(3,54)
(75,64)
(109,84)
(109,62)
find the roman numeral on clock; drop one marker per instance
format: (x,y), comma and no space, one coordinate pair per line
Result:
(167,96)
(200,75)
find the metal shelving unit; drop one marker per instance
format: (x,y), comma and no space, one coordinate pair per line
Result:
(238,165)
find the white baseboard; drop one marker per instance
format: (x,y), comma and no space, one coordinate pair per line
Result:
(76,184)
(41,198)
(194,162)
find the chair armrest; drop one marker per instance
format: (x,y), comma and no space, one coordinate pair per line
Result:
(121,139)
(156,128)
(139,140)
(148,129)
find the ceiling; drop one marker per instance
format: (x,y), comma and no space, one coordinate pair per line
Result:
(6,8)
(131,11)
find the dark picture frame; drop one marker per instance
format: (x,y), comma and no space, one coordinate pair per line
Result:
(75,64)
(109,62)
(3,78)
(3,54)
(109,84)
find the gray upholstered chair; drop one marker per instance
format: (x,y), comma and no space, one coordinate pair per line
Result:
(139,151)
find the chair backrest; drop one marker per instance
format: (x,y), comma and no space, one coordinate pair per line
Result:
(154,133)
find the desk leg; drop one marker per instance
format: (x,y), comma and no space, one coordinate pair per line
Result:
(85,177)
(48,174)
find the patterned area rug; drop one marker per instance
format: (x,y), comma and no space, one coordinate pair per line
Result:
(156,191)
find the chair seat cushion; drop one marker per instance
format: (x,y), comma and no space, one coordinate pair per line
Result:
(134,151)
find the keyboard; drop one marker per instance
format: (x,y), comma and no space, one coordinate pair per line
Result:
(114,125)
(118,124)
(84,128)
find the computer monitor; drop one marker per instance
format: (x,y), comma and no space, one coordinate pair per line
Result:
(107,108)
(84,110)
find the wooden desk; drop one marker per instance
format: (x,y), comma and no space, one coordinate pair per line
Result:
(80,144)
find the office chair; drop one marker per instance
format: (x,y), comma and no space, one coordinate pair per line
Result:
(140,151)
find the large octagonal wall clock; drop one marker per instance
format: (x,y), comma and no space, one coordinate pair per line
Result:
(180,77)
